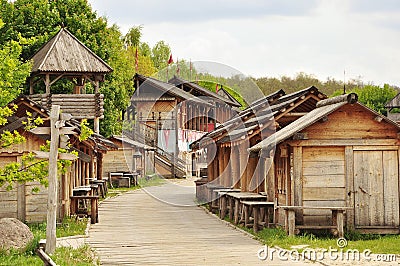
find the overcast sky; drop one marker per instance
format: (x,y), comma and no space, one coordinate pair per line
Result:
(273,37)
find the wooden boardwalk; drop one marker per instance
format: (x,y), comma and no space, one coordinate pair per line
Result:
(138,229)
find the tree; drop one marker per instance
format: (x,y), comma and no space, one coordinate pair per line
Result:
(375,97)
(160,54)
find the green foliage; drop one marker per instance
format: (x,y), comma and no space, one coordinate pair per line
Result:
(62,256)
(86,131)
(374,97)
(132,38)
(388,244)
(211,85)
(301,81)
(160,54)
(32,123)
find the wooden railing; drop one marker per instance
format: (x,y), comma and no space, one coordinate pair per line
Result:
(80,106)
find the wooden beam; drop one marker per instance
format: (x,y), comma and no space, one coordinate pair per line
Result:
(349,175)
(297,179)
(344,142)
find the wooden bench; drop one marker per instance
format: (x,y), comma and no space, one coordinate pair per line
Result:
(119,179)
(94,200)
(235,199)
(223,201)
(260,210)
(102,186)
(337,219)
(212,196)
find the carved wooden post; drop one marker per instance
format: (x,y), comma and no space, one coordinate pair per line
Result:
(52,196)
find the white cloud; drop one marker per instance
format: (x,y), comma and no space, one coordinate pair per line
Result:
(323,38)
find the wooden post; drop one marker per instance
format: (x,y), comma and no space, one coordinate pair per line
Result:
(297,180)
(52,196)
(235,167)
(47,83)
(291,217)
(349,172)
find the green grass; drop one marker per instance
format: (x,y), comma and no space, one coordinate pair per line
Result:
(385,244)
(155,180)
(63,256)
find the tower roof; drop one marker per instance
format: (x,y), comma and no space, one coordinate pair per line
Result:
(65,53)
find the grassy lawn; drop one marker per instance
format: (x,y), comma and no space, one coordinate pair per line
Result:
(63,256)
(155,180)
(385,244)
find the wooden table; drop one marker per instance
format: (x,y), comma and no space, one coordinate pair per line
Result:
(337,219)
(133,178)
(261,211)
(221,195)
(211,197)
(236,197)
(102,186)
(114,176)
(81,191)
(94,200)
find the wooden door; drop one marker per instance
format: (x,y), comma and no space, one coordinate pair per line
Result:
(376,188)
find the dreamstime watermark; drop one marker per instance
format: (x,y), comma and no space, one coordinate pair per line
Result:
(334,254)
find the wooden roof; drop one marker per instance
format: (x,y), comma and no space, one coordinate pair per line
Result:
(394,103)
(197,90)
(25,104)
(65,53)
(263,110)
(148,83)
(324,108)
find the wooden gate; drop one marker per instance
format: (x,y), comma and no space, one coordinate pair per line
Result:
(376,188)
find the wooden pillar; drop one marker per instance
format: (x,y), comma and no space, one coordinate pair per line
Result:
(252,175)
(96,123)
(227,175)
(235,165)
(349,164)
(31,86)
(210,162)
(100,166)
(47,83)
(220,165)
(261,173)
(270,182)
(297,181)
(243,154)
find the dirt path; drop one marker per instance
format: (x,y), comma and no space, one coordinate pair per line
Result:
(138,229)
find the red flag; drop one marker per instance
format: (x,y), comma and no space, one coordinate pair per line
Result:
(216,88)
(170,60)
(136,60)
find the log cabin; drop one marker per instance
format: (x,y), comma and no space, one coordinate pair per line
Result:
(229,163)
(340,158)
(21,202)
(171,115)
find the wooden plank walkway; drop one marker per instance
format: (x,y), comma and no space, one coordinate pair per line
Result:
(138,229)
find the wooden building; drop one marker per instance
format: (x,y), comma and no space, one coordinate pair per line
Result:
(229,162)
(341,157)
(65,57)
(169,116)
(393,108)
(28,206)
(131,157)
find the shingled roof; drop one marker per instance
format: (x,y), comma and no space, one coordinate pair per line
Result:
(65,53)
(200,91)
